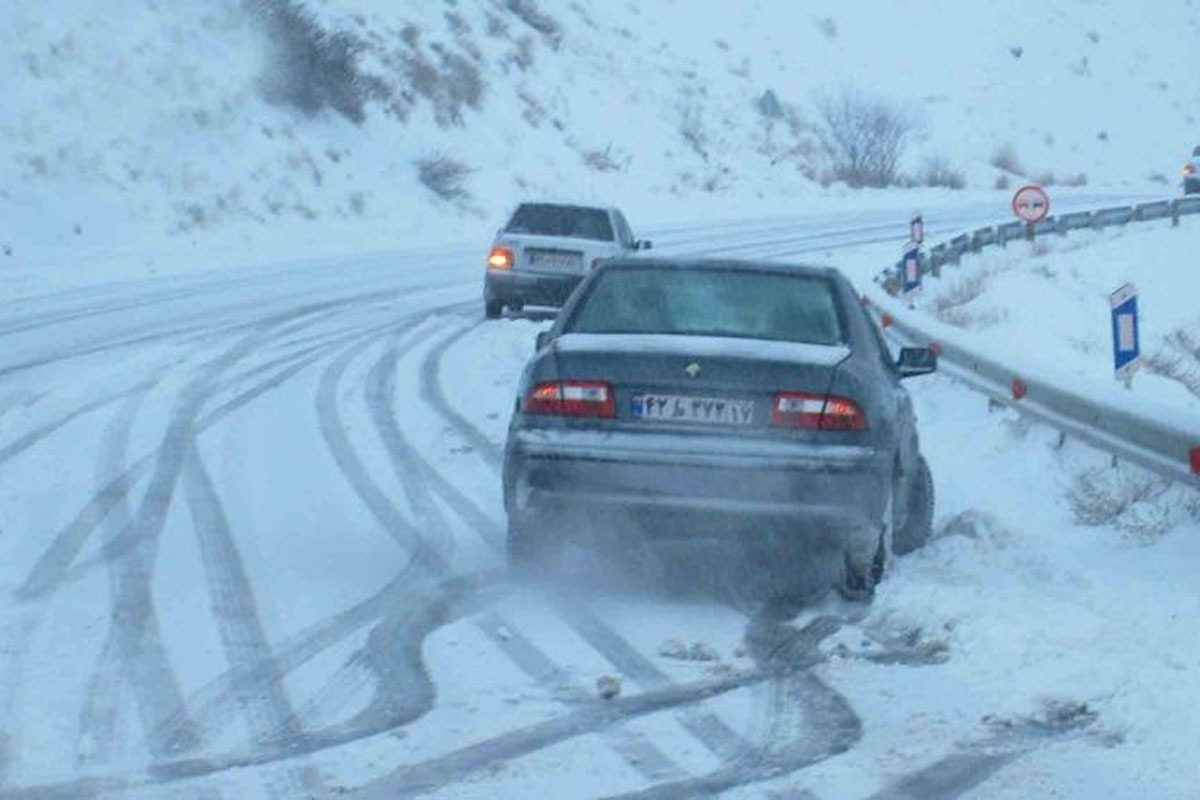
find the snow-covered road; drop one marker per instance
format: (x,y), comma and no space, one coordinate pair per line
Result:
(251,546)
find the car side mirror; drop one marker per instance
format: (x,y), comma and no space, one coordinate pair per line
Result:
(915,361)
(543,339)
(642,244)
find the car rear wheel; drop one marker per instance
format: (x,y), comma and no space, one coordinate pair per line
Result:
(861,575)
(919,526)
(492,308)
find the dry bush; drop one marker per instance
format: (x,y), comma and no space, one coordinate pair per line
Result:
(444,176)
(1178,360)
(1045,178)
(691,128)
(827,26)
(604,160)
(1079,179)
(1002,182)
(938,172)
(528,12)
(864,137)
(961,292)
(496,26)
(1005,158)
(451,85)
(1129,499)
(522,54)
(310,68)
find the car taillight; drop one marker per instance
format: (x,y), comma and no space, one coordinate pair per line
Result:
(500,258)
(572,399)
(1188,170)
(817,412)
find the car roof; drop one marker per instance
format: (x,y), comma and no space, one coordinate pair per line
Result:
(556,204)
(735,264)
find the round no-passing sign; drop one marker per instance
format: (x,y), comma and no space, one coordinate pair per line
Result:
(1031,203)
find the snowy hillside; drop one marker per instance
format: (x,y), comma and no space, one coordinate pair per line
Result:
(138,129)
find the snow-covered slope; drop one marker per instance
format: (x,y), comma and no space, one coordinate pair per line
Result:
(1047,304)
(137,134)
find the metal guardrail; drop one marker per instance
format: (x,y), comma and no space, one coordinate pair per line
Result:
(1162,439)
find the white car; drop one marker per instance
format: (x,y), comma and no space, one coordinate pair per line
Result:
(1191,174)
(546,249)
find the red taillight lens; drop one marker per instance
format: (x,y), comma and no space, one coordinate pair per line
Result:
(816,412)
(572,399)
(500,258)
(1188,170)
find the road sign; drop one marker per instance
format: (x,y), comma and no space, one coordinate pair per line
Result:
(1126,352)
(916,229)
(1031,203)
(911,263)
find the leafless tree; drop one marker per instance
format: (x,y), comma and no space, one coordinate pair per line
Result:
(864,136)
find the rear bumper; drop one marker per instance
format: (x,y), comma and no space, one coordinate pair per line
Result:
(696,487)
(1191,185)
(528,288)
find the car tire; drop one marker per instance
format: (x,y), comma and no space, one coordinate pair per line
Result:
(859,578)
(919,526)
(492,309)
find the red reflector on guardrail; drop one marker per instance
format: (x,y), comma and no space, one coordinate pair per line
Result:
(1019,389)
(885,320)
(1194,458)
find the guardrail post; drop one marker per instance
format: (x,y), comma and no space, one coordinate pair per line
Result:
(1174,213)
(1029,234)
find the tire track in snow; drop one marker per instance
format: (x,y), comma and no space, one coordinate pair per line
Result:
(256,678)
(134,658)
(637,750)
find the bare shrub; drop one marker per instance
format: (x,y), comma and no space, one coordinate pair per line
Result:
(864,137)
(1158,177)
(522,54)
(450,86)
(961,292)
(691,128)
(604,160)
(1178,359)
(1046,178)
(458,24)
(444,176)
(1002,182)
(310,68)
(1127,498)
(1005,158)
(496,26)
(938,172)
(827,26)
(1079,179)
(528,12)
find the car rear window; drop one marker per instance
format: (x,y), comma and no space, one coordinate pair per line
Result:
(711,302)
(551,220)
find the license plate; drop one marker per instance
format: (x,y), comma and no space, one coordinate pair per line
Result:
(682,408)
(562,261)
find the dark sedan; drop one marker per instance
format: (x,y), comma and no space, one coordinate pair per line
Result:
(713,399)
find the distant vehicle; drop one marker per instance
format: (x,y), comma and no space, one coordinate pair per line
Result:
(748,402)
(1191,174)
(546,249)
